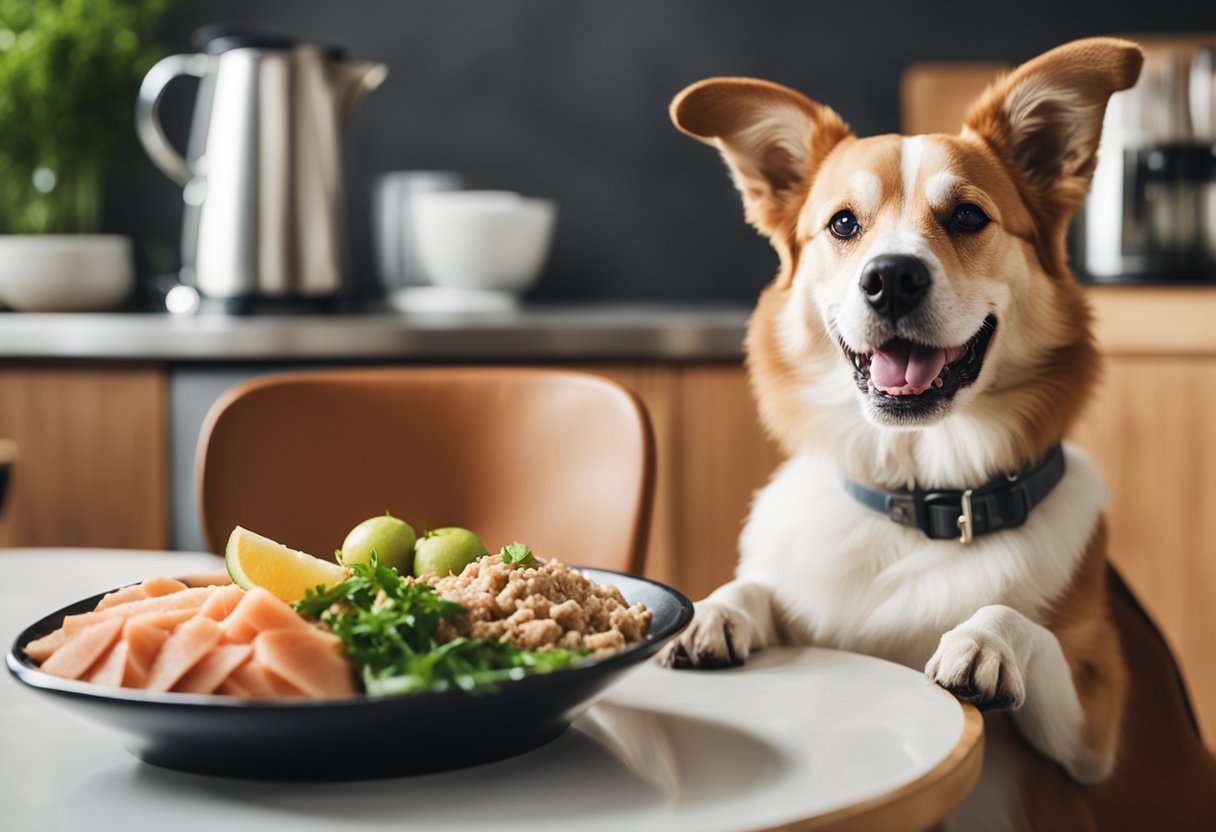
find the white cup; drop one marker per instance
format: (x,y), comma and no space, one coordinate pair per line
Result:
(65,272)
(490,240)
(392,227)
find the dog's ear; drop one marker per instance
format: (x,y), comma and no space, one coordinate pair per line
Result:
(772,139)
(1045,120)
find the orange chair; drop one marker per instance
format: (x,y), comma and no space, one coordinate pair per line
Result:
(563,461)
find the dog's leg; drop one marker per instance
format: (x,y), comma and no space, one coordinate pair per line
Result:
(999,658)
(733,620)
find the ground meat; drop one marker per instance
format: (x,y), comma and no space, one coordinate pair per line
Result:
(541,606)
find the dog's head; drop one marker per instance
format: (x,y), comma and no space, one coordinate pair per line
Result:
(923,279)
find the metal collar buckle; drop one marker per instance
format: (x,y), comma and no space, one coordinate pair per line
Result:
(965,520)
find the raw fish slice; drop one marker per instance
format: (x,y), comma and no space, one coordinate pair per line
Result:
(144,641)
(151,588)
(188,644)
(214,668)
(167,620)
(110,668)
(218,578)
(253,682)
(80,651)
(42,648)
(307,659)
(259,611)
(220,605)
(185,599)
(121,596)
(231,688)
(157,587)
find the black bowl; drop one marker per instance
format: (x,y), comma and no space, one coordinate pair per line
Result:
(359,738)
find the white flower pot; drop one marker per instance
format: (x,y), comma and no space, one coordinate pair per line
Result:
(65,272)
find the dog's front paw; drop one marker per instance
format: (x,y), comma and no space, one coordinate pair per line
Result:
(718,636)
(979,667)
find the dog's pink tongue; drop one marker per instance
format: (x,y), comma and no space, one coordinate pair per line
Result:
(902,368)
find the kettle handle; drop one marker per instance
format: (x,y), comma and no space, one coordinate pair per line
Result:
(147,112)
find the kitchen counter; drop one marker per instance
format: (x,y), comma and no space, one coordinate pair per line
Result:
(602,331)
(1130,320)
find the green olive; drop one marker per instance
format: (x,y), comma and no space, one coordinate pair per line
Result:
(392,539)
(448,550)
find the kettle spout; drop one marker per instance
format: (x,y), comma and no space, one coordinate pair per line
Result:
(351,82)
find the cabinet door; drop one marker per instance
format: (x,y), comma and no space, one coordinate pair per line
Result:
(91,466)
(711,457)
(1150,432)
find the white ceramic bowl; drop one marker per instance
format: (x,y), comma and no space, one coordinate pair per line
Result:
(494,240)
(65,272)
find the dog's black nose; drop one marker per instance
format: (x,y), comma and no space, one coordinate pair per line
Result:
(895,283)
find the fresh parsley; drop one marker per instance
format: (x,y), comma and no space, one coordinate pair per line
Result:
(518,553)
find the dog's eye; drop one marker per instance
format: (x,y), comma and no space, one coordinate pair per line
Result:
(843,225)
(968,217)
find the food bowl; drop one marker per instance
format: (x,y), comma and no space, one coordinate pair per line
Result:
(495,240)
(353,739)
(65,272)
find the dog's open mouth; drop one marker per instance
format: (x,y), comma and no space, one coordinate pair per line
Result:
(913,379)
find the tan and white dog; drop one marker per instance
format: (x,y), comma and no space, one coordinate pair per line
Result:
(924,333)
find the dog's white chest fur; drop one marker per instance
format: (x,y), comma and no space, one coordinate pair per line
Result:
(844,576)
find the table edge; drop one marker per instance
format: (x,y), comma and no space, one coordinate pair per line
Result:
(917,805)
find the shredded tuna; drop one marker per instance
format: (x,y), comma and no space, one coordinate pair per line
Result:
(540,607)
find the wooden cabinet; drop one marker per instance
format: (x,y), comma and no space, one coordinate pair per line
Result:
(712,456)
(92,456)
(1150,430)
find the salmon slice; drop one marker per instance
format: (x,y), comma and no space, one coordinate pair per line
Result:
(144,642)
(165,620)
(214,668)
(308,660)
(232,688)
(156,587)
(185,599)
(110,668)
(218,578)
(80,651)
(188,644)
(151,588)
(121,596)
(280,686)
(251,681)
(220,605)
(257,612)
(42,648)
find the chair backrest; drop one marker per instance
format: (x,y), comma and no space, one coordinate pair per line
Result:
(563,461)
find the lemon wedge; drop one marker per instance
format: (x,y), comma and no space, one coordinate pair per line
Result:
(254,560)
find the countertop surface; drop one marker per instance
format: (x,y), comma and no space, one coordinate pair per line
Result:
(586,331)
(1128,320)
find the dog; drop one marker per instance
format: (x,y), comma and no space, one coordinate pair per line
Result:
(920,356)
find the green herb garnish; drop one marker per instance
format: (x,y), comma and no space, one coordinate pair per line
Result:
(390,628)
(517,553)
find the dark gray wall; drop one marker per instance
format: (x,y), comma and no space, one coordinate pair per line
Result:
(568,99)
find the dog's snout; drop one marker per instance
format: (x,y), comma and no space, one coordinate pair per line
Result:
(894,284)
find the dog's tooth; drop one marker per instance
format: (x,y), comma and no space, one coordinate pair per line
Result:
(938,383)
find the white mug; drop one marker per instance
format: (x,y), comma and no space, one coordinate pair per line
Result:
(396,252)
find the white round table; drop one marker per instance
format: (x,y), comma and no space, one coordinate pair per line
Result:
(799,738)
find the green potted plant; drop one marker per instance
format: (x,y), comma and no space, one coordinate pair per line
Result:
(69,74)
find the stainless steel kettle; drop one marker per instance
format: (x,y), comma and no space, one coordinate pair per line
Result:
(262,176)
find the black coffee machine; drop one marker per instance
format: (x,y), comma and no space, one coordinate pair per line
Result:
(1151,212)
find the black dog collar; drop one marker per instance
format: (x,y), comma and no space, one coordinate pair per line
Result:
(1002,503)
